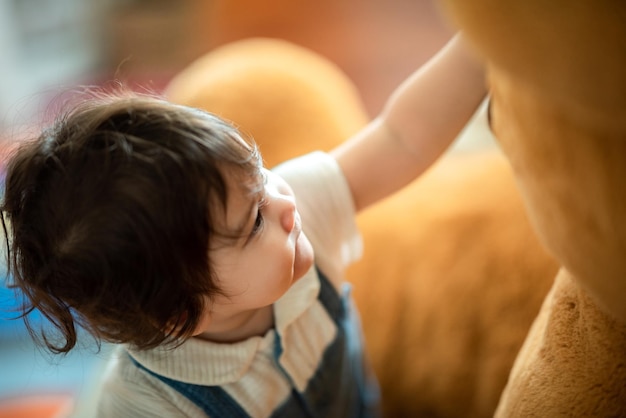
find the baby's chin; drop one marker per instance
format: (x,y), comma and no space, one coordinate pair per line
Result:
(304,256)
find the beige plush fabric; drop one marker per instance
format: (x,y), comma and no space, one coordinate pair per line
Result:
(556,71)
(451,278)
(572,363)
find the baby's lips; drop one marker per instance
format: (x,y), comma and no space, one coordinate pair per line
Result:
(297,227)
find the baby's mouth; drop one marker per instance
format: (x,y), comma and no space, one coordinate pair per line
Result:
(297,226)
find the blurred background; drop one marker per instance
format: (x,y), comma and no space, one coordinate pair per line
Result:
(49,46)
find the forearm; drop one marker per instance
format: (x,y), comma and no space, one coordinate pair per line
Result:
(427,112)
(420,120)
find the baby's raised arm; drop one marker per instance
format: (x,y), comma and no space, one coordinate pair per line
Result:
(420,119)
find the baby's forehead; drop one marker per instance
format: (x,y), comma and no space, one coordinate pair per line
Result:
(249,183)
(243,185)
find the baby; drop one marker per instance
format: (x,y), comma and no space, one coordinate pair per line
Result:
(155,226)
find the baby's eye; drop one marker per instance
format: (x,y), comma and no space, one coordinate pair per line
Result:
(258,222)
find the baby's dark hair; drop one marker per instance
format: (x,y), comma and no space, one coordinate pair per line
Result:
(109,216)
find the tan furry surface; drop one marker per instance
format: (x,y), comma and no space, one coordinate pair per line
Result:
(572,363)
(451,279)
(559,111)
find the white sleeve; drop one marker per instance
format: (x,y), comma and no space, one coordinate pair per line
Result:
(118,404)
(127,391)
(325,203)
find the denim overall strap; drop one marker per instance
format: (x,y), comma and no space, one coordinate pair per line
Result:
(343,386)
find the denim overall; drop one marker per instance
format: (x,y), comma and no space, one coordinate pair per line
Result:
(342,386)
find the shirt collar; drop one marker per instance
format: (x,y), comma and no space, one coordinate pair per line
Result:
(203,362)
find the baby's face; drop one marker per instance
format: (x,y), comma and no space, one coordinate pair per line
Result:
(255,270)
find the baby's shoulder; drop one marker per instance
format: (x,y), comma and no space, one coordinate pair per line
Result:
(130,390)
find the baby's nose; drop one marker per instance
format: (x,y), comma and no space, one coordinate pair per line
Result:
(288,215)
